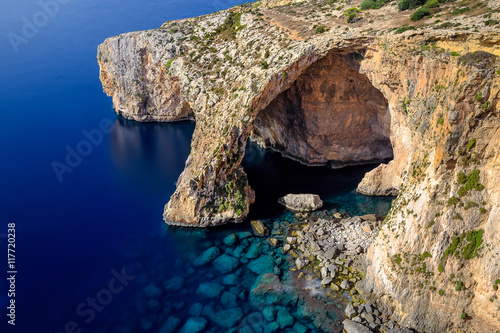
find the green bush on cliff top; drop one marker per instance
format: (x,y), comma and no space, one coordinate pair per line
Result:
(410,4)
(420,14)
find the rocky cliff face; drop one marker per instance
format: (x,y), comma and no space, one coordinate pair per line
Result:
(352,94)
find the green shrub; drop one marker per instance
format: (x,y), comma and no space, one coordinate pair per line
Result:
(452,201)
(373,4)
(463,315)
(469,204)
(405,28)
(475,240)
(471,182)
(420,14)
(441,292)
(482,210)
(478,96)
(367,4)
(410,4)
(169,63)
(454,54)
(460,11)
(351,14)
(459,286)
(264,64)
(440,121)
(431,4)
(320,29)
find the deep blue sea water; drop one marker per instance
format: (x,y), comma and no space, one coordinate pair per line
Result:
(76,232)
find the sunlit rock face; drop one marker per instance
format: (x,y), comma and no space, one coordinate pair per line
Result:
(331,115)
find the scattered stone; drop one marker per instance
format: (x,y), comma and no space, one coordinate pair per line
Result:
(209,290)
(170,325)
(230,240)
(243,235)
(273,242)
(338,216)
(324,272)
(207,256)
(334,287)
(291,240)
(300,262)
(259,229)
(226,264)
(345,285)
(327,280)
(284,318)
(301,202)
(353,327)
(194,325)
(369,217)
(174,283)
(350,312)
(285,248)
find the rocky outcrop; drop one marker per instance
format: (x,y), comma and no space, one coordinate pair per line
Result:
(301,202)
(266,73)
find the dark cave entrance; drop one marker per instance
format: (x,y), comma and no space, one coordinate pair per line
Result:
(331,115)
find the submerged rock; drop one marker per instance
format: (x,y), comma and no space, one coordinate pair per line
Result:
(194,325)
(262,265)
(268,289)
(301,202)
(170,325)
(230,240)
(174,283)
(284,318)
(227,318)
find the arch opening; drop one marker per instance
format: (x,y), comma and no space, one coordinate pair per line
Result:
(331,115)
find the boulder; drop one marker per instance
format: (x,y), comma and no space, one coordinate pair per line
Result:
(262,265)
(345,285)
(350,312)
(152,291)
(353,327)
(227,318)
(273,242)
(301,202)
(268,290)
(259,229)
(253,251)
(228,299)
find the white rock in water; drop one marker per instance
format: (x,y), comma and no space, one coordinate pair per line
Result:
(301,202)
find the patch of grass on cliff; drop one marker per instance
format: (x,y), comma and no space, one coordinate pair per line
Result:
(320,29)
(452,201)
(460,11)
(420,14)
(410,4)
(227,30)
(470,181)
(404,28)
(471,144)
(475,240)
(373,4)
(351,14)
(169,63)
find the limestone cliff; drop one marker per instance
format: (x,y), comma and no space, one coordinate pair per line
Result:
(300,80)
